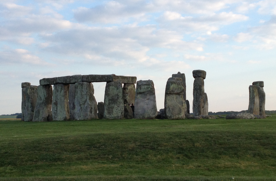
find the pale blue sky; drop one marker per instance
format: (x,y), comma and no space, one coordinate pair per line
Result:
(233,40)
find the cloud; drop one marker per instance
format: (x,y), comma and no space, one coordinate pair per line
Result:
(20,56)
(242,37)
(253,62)
(10,10)
(195,57)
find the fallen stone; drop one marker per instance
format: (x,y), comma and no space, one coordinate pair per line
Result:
(25,84)
(245,116)
(145,100)
(231,116)
(199,74)
(175,105)
(254,105)
(129,93)
(69,79)
(85,103)
(113,101)
(100,110)
(48,81)
(60,105)
(29,98)
(128,113)
(43,106)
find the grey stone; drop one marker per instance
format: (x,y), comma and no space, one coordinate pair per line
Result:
(128,113)
(262,101)
(231,116)
(205,105)
(161,114)
(85,102)
(190,116)
(182,76)
(199,74)
(60,105)
(69,79)
(109,78)
(244,115)
(72,106)
(175,105)
(145,100)
(199,97)
(48,81)
(129,93)
(43,106)
(254,105)
(188,107)
(29,98)
(258,83)
(25,84)
(100,110)
(113,101)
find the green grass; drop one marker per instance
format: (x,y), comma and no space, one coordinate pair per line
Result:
(139,150)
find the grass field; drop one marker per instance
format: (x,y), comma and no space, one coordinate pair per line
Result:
(139,150)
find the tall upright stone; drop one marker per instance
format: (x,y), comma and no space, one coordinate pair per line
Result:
(60,105)
(182,76)
(175,104)
(129,93)
(29,97)
(72,106)
(200,102)
(145,100)
(113,101)
(257,99)
(43,108)
(85,102)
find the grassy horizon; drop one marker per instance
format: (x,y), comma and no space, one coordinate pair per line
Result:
(139,150)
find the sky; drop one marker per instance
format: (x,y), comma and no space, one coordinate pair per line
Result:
(234,41)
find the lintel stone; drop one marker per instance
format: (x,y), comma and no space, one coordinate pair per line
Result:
(25,84)
(109,78)
(48,81)
(69,79)
(199,74)
(259,83)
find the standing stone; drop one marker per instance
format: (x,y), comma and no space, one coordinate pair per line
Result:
(254,106)
(60,105)
(145,100)
(261,97)
(100,110)
(85,102)
(182,76)
(129,93)
(200,102)
(113,101)
(43,106)
(72,106)
(188,107)
(29,98)
(175,104)
(128,113)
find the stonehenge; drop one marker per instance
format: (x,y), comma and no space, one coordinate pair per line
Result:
(72,98)
(257,99)
(200,102)
(145,100)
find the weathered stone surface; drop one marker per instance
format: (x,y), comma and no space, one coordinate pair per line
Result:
(182,76)
(129,93)
(205,105)
(258,83)
(113,101)
(145,100)
(254,105)
(60,105)
(109,78)
(187,107)
(175,105)
(72,106)
(85,103)
(43,106)
(262,101)
(128,113)
(100,110)
(199,74)
(29,97)
(199,97)
(242,115)
(48,81)
(69,79)
(25,84)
